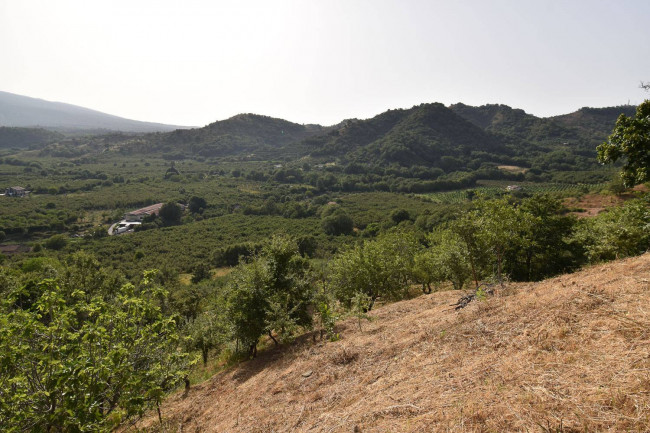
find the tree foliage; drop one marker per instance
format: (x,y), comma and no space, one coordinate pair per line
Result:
(78,360)
(170,213)
(270,294)
(376,268)
(630,141)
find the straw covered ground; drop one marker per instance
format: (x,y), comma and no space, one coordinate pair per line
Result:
(570,354)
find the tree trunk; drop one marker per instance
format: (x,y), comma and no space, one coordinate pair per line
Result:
(273,338)
(205,352)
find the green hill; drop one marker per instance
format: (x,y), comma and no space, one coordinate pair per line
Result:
(26,138)
(421,135)
(241,134)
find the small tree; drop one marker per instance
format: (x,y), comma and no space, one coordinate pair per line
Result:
(197,204)
(359,306)
(56,242)
(270,293)
(338,223)
(207,332)
(201,272)
(170,213)
(377,268)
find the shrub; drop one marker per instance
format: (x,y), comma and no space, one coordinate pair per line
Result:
(56,242)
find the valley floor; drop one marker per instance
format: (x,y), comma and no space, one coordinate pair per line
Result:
(569,354)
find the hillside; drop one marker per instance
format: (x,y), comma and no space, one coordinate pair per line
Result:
(459,137)
(243,133)
(26,137)
(568,354)
(595,122)
(421,135)
(513,122)
(23,111)
(589,124)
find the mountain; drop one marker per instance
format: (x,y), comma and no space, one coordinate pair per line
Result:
(421,135)
(595,122)
(240,134)
(23,111)
(564,355)
(26,138)
(512,122)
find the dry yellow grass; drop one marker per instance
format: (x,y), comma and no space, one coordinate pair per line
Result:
(569,354)
(512,168)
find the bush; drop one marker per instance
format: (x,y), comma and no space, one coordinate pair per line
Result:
(337,224)
(56,242)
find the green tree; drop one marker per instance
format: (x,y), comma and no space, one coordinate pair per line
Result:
(77,361)
(338,223)
(445,260)
(201,272)
(56,242)
(630,140)
(170,213)
(619,232)
(207,332)
(376,268)
(544,248)
(271,293)
(399,215)
(197,204)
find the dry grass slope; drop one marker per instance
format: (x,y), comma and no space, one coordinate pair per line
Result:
(570,354)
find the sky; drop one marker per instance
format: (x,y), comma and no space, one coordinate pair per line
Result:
(194,62)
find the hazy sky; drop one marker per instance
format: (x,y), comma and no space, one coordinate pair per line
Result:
(191,62)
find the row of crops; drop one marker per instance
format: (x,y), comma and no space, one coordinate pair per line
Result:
(496,190)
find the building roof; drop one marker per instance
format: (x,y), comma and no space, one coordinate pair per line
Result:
(154,208)
(18,188)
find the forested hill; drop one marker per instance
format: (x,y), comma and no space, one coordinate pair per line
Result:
(421,135)
(243,133)
(26,138)
(593,124)
(459,138)
(596,122)
(514,123)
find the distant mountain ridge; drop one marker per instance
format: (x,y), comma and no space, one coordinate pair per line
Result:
(23,111)
(420,135)
(433,136)
(455,138)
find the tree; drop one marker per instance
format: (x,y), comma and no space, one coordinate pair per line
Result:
(208,331)
(170,213)
(56,242)
(271,293)
(399,215)
(197,204)
(630,140)
(75,360)
(445,260)
(338,223)
(376,268)
(201,272)
(619,232)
